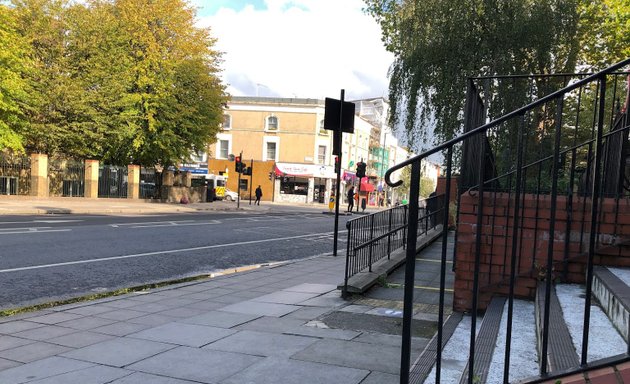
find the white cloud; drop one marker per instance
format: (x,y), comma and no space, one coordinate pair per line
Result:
(301,48)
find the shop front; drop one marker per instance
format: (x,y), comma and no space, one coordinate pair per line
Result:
(303,183)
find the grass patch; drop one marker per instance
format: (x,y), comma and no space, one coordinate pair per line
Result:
(102,295)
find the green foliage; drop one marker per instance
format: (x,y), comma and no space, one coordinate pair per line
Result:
(438,44)
(119,80)
(13,88)
(427,186)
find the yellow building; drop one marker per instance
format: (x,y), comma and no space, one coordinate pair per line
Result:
(286,131)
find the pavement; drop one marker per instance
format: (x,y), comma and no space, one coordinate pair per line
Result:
(280,323)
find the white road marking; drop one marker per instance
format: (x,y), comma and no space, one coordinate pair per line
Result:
(55,221)
(178,224)
(157,223)
(137,255)
(14,231)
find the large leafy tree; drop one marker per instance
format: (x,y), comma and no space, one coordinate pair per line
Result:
(120,80)
(13,86)
(439,43)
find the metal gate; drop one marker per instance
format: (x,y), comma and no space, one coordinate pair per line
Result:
(15,175)
(112,181)
(66,177)
(150,182)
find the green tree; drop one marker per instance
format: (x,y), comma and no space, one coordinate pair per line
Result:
(438,44)
(13,87)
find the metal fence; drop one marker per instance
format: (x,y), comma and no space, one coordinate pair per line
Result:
(15,175)
(112,181)
(540,155)
(66,177)
(150,182)
(375,236)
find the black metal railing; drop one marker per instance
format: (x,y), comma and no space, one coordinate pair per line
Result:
(15,174)
(375,236)
(66,177)
(150,182)
(533,200)
(112,181)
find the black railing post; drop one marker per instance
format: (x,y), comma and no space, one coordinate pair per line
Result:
(371,242)
(410,265)
(406,220)
(515,228)
(593,229)
(475,290)
(344,294)
(447,193)
(552,227)
(389,234)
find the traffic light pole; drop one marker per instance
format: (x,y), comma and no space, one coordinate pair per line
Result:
(238,186)
(251,178)
(337,139)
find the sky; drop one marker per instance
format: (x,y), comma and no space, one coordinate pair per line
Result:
(298,48)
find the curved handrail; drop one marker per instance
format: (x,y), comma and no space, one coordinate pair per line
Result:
(500,120)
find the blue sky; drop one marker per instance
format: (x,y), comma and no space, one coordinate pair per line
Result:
(210,7)
(297,48)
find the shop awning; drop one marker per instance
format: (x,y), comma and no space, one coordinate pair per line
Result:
(300,170)
(366,186)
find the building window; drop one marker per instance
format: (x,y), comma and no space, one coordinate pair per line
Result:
(271,150)
(321,154)
(227,122)
(291,185)
(199,157)
(224,149)
(244,186)
(322,130)
(272,123)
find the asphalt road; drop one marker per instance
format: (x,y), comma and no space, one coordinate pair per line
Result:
(46,258)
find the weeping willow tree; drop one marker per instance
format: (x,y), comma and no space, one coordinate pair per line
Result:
(438,44)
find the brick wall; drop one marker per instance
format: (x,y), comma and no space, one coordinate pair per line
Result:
(569,242)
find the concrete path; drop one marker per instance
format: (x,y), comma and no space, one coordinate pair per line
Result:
(266,325)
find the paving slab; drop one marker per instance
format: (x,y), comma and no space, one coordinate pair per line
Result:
(145,378)
(262,309)
(118,352)
(6,364)
(274,371)
(54,318)
(44,333)
(97,374)
(220,319)
(381,358)
(32,352)
(17,326)
(87,322)
(286,297)
(262,344)
(153,319)
(121,328)
(312,288)
(200,365)
(8,342)
(191,335)
(80,339)
(272,324)
(381,378)
(121,314)
(41,369)
(308,313)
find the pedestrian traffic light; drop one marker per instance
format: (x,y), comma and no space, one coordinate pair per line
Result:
(247,171)
(238,165)
(337,165)
(361,169)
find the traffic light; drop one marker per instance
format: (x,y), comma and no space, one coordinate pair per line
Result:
(337,165)
(238,165)
(247,171)
(361,169)
(270,175)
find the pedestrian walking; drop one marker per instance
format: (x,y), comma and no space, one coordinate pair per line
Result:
(351,198)
(258,195)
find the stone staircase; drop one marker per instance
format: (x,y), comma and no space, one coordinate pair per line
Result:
(608,335)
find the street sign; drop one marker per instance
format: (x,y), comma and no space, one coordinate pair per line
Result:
(332,112)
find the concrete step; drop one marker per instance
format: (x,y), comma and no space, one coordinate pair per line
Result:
(611,288)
